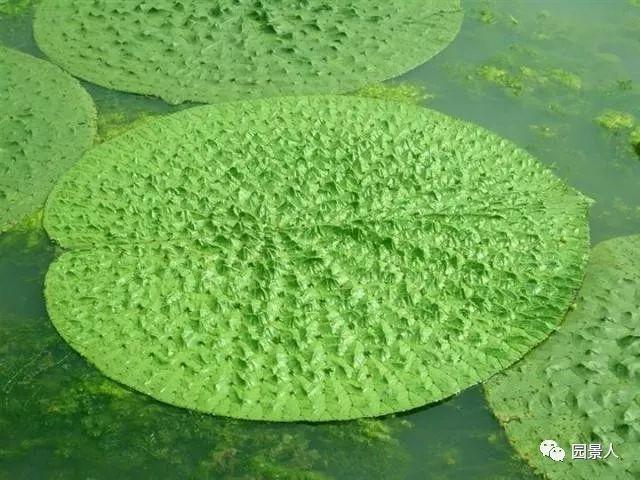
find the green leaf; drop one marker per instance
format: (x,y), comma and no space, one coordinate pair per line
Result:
(242,50)
(146,283)
(47,121)
(581,386)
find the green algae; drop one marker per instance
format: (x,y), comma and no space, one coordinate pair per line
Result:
(545,131)
(523,78)
(28,232)
(525,67)
(634,140)
(563,77)
(487,16)
(616,120)
(115,123)
(619,122)
(184,51)
(299,331)
(580,386)
(16,7)
(525,71)
(47,122)
(397,92)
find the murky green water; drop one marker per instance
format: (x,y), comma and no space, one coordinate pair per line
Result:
(537,72)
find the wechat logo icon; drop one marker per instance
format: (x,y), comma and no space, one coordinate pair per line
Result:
(549,448)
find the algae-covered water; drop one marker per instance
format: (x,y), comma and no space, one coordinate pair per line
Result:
(559,78)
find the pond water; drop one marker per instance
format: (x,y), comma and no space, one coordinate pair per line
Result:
(541,73)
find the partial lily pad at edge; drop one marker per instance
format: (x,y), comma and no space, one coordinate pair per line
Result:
(582,386)
(236,50)
(310,258)
(47,121)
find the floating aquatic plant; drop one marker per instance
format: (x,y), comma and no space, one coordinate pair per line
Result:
(47,120)
(399,92)
(311,258)
(581,385)
(634,140)
(15,7)
(113,124)
(616,120)
(185,50)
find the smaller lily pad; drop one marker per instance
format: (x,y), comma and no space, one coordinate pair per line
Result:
(240,49)
(47,120)
(582,386)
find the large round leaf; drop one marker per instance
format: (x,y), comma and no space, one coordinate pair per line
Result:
(231,49)
(582,386)
(310,258)
(47,120)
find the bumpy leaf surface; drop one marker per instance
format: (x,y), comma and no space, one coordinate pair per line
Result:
(582,385)
(238,49)
(47,121)
(310,258)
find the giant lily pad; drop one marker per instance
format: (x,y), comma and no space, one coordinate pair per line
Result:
(310,258)
(230,49)
(47,120)
(581,386)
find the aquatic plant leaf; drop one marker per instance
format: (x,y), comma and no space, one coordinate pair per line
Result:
(47,120)
(310,258)
(581,385)
(208,52)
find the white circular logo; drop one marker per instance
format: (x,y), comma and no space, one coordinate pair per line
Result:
(546,446)
(556,454)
